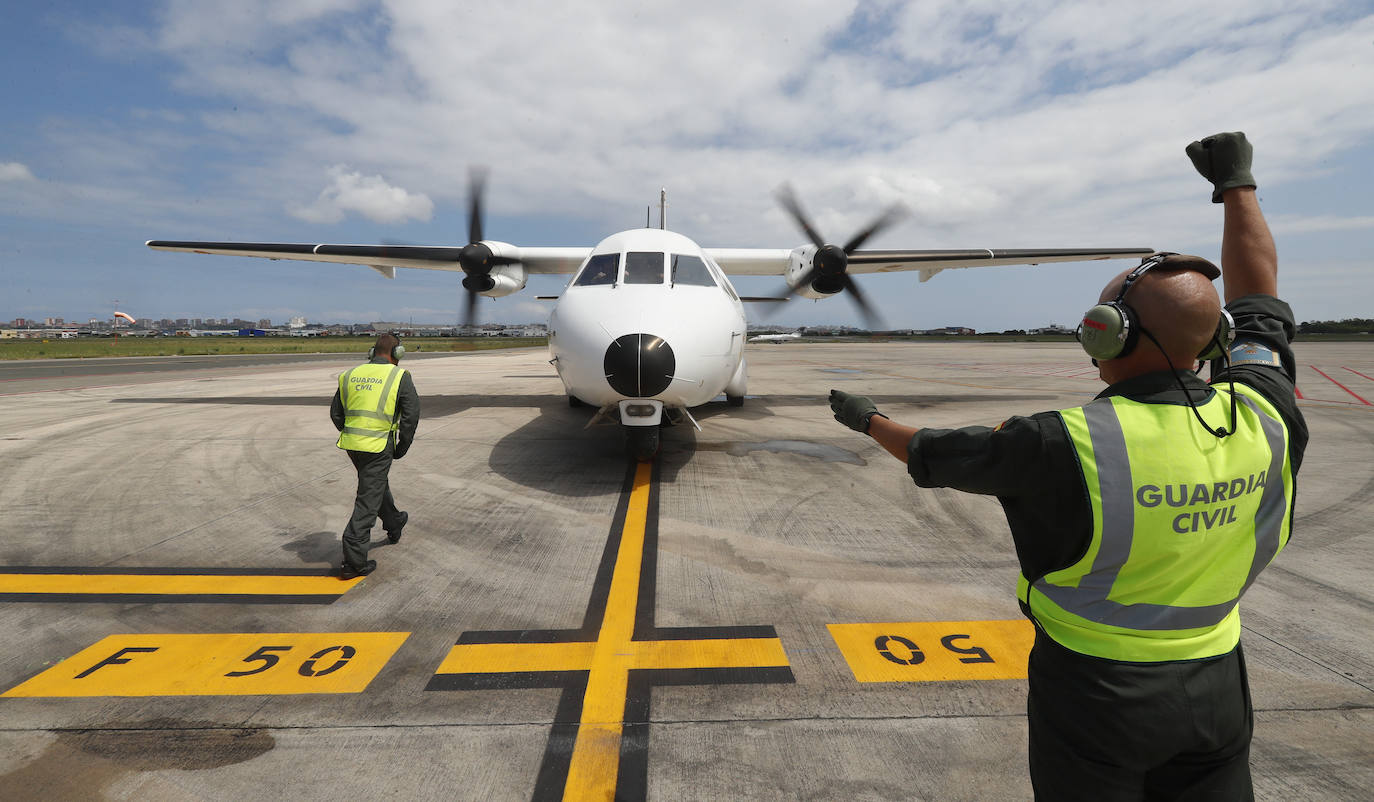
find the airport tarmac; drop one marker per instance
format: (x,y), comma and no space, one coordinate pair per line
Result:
(772,611)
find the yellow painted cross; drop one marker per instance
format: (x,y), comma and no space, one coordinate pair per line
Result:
(599,744)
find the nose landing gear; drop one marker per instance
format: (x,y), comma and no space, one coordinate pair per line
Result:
(642,419)
(641,442)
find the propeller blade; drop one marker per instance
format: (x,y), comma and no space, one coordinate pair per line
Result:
(477,185)
(871,317)
(830,264)
(805,281)
(894,213)
(470,313)
(788,199)
(786,295)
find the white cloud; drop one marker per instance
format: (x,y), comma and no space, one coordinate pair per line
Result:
(1000,123)
(970,109)
(368,195)
(1307,225)
(14,171)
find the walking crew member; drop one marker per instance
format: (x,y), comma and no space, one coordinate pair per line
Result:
(1140,518)
(376,411)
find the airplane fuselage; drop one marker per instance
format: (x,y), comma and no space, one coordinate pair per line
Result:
(648,316)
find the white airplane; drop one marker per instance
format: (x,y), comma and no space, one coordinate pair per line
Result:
(774,338)
(649,323)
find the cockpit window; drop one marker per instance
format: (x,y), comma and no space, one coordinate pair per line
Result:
(724,282)
(690,270)
(643,267)
(600,269)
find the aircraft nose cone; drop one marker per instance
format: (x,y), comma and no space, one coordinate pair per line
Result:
(640,365)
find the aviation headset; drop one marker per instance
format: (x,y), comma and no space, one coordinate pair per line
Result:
(397,351)
(1111,330)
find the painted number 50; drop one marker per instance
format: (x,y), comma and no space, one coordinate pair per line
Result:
(264,654)
(904,652)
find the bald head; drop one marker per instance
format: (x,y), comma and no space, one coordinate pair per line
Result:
(1179,307)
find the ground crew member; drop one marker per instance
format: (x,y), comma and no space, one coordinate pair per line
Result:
(376,411)
(1140,518)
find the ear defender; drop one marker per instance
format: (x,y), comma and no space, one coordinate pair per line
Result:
(397,352)
(1220,343)
(1108,331)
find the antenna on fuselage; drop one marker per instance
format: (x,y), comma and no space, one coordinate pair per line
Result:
(663,208)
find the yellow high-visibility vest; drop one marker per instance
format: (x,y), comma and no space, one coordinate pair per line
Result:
(369,393)
(1183,523)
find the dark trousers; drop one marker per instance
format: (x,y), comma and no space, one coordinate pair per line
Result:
(373,499)
(1110,730)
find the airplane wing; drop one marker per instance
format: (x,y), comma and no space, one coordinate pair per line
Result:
(382,258)
(734,261)
(774,261)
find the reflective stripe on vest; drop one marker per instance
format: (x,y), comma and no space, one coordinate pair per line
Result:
(1151,594)
(369,394)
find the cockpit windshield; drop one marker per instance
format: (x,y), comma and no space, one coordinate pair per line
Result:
(643,267)
(600,269)
(690,270)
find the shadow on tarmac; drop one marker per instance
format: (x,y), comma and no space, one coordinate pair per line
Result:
(557,452)
(440,406)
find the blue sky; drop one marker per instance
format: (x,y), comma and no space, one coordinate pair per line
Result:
(999,124)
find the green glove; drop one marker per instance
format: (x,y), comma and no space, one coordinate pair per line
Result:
(854,411)
(1223,159)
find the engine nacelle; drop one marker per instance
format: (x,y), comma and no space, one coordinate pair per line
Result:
(797,267)
(505,280)
(501,280)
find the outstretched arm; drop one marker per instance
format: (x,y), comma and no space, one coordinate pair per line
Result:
(859,413)
(892,436)
(1249,262)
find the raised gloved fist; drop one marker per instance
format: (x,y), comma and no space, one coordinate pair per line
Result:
(1223,159)
(854,411)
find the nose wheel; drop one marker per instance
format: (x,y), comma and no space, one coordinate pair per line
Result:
(641,442)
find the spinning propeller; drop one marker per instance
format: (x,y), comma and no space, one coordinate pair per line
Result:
(829,267)
(475,258)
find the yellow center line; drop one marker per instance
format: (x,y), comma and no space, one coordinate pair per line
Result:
(595,764)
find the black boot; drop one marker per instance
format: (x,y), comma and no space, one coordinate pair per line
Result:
(393,535)
(352,572)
